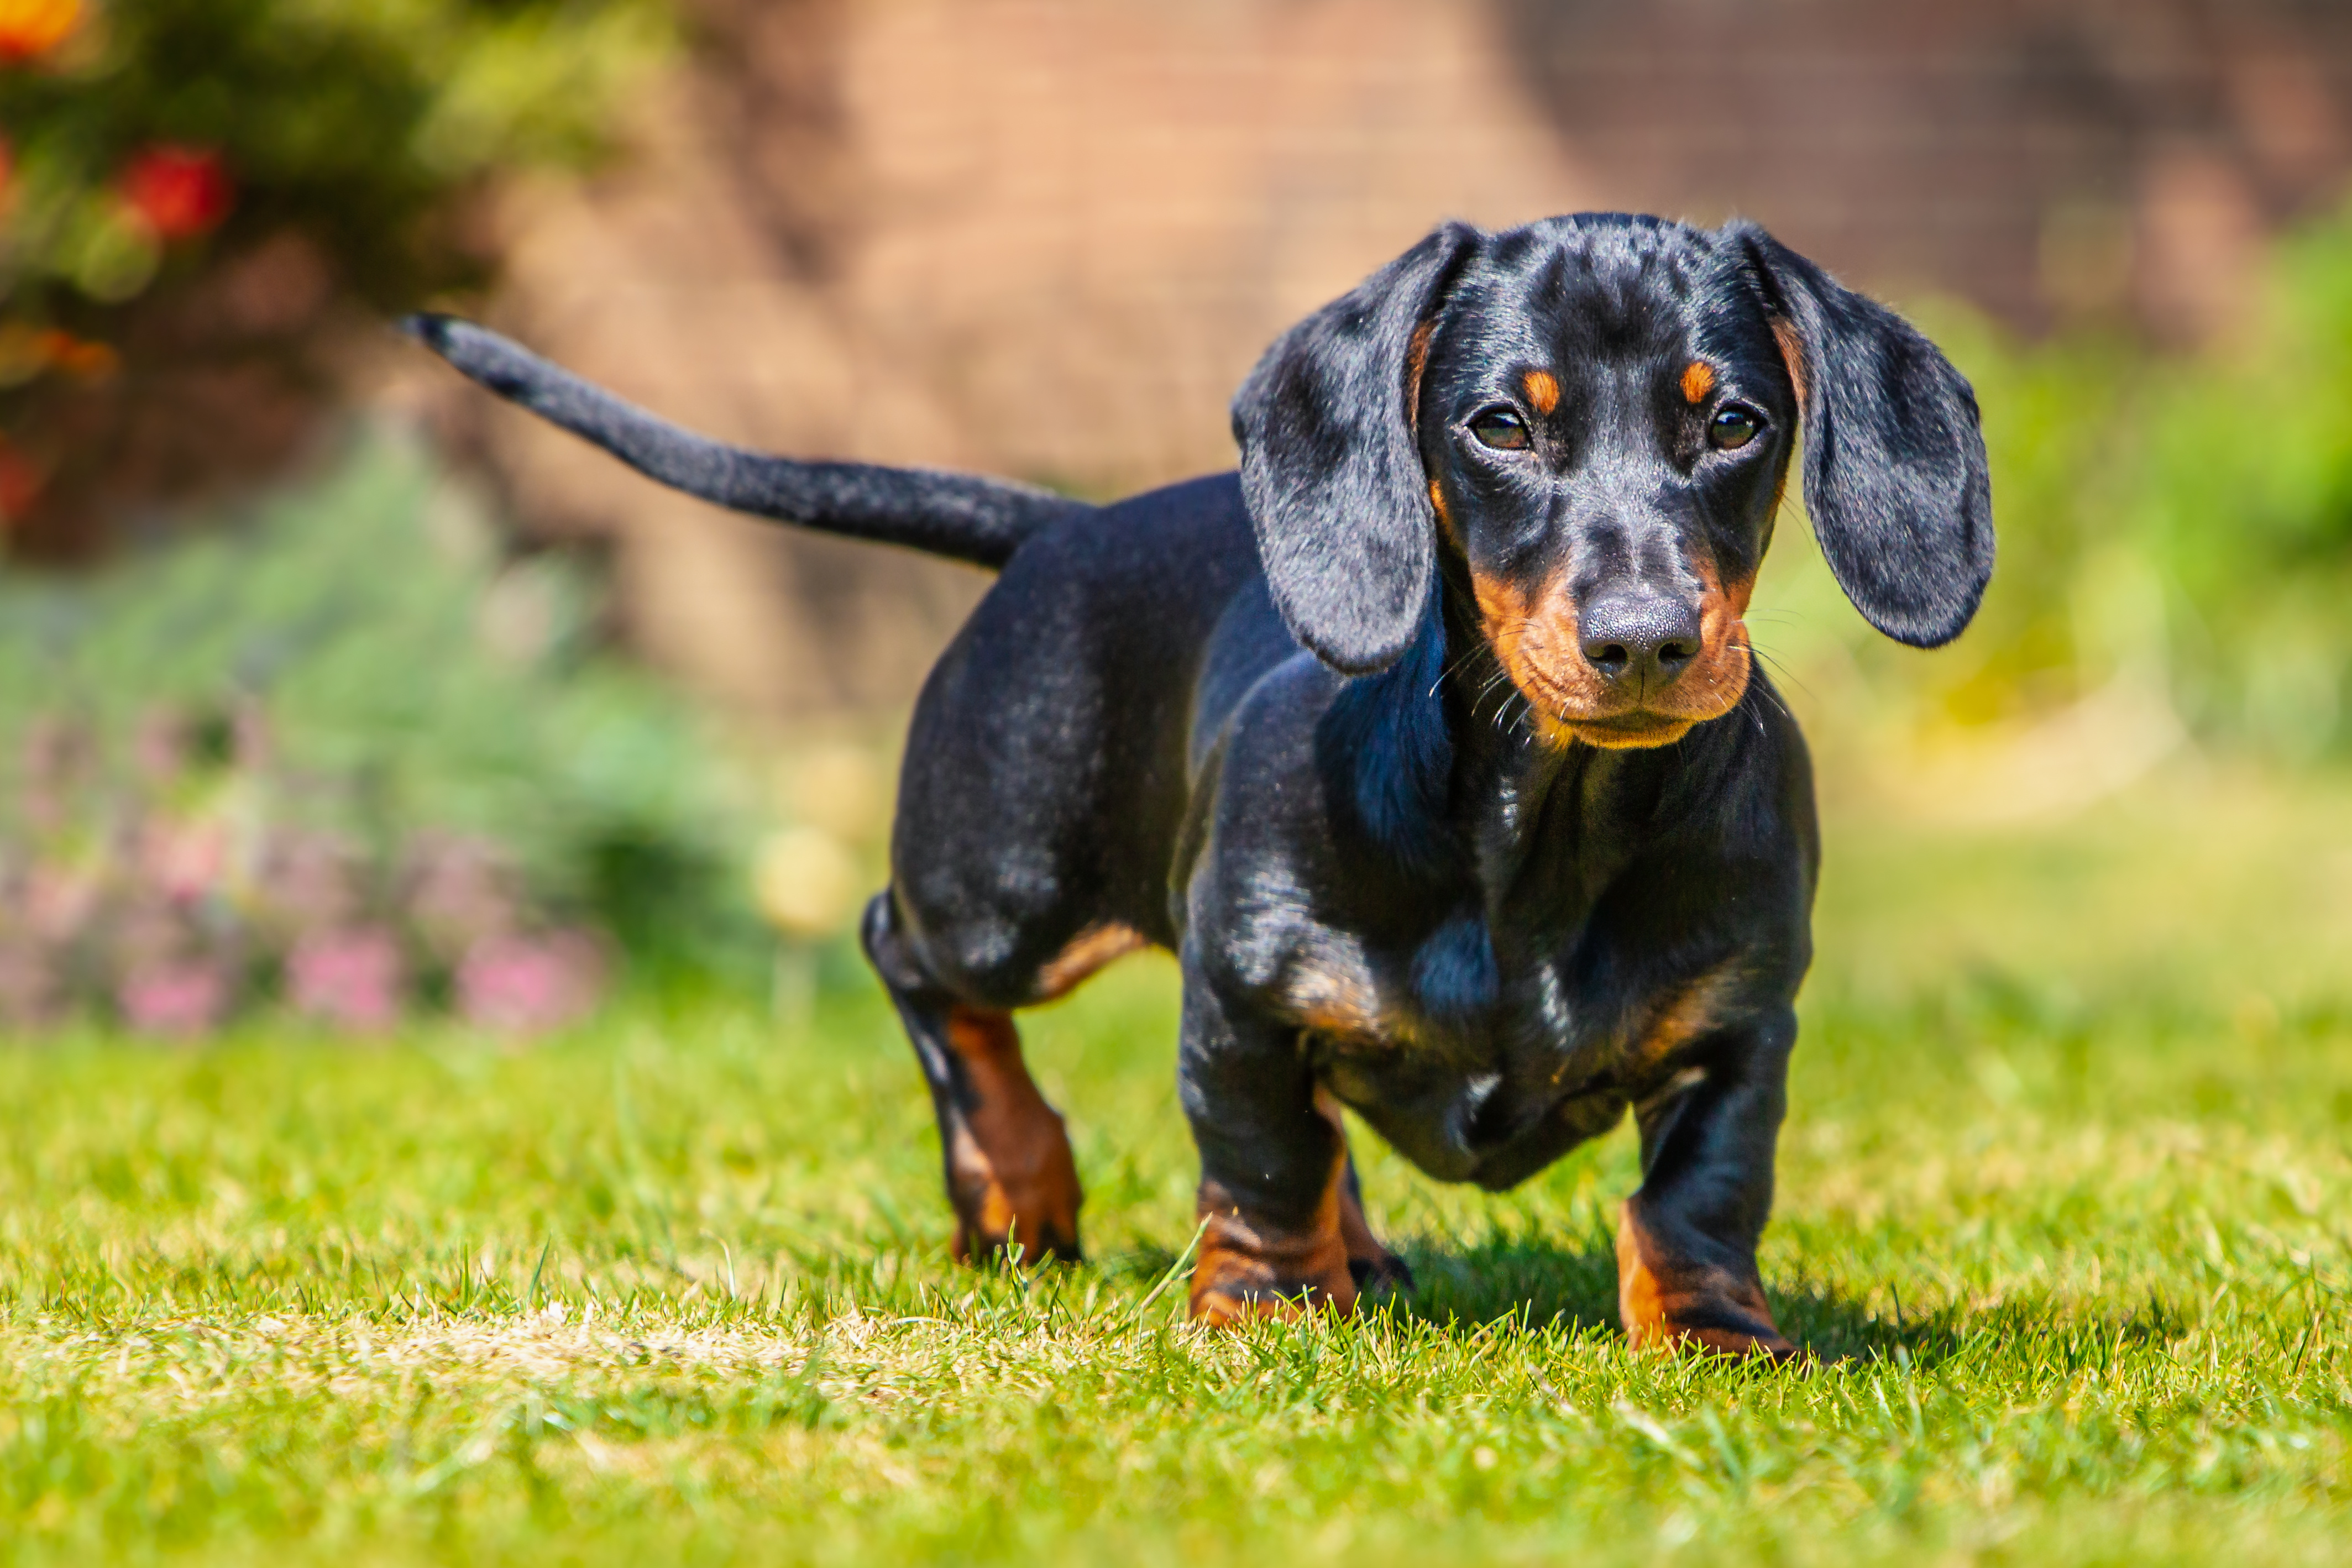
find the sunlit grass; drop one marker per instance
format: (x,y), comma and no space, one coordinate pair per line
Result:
(2062,1209)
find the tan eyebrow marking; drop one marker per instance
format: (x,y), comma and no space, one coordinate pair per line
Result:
(1543,389)
(1697,380)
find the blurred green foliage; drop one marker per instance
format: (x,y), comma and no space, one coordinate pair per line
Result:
(350,120)
(413,682)
(2183,521)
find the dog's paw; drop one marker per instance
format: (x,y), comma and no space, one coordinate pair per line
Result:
(1385,1275)
(1246,1273)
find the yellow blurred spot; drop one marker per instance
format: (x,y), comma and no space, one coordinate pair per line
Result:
(842,787)
(30,28)
(808,884)
(2255,1017)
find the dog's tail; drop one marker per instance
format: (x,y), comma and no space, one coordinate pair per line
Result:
(961,516)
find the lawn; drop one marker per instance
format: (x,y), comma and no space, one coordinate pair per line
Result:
(2062,1209)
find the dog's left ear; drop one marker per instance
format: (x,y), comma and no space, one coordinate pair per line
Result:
(1895,477)
(1331,465)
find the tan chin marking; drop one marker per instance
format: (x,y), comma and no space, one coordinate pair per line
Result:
(1627,740)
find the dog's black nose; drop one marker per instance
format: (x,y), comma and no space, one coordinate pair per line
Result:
(1642,639)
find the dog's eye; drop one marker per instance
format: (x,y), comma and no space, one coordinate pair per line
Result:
(1500,429)
(1734,427)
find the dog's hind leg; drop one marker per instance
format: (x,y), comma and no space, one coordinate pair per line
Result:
(1010,1173)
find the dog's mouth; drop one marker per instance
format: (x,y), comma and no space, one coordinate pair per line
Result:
(1575,704)
(1625,730)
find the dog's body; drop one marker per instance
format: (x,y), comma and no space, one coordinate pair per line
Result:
(1429,743)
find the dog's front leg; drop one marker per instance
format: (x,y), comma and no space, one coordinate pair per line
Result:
(1686,1241)
(1273,1166)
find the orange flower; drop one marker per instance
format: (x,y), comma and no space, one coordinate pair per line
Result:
(78,356)
(181,191)
(31,29)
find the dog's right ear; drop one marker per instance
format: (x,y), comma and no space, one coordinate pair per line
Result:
(1331,465)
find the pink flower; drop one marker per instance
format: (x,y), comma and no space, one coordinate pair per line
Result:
(306,881)
(57,901)
(524,984)
(179,998)
(461,893)
(54,762)
(353,978)
(182,861)
(173,974)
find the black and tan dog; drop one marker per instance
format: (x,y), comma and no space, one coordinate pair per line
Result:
(1431,741)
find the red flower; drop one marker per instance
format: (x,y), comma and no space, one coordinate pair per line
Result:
(31,29)
(20,483)
(179,191)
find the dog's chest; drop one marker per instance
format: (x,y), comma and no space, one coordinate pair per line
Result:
(1453,1055)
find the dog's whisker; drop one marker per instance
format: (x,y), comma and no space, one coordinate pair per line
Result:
(1782,669)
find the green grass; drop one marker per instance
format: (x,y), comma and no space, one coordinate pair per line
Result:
(2064,1204)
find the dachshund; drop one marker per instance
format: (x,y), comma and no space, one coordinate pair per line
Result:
(1431,741)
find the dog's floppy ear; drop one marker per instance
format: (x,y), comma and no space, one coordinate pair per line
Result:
(1331,465)
(1895,461)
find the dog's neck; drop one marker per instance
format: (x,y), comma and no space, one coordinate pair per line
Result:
(1454,775)
(1507,771)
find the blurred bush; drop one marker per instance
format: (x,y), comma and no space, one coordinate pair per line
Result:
(283,150)
(2176,553)
(137,125)
(345,752)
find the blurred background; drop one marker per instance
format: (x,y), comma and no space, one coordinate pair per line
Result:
(330,688)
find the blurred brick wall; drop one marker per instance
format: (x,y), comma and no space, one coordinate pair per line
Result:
(2048,159)
(1046,237)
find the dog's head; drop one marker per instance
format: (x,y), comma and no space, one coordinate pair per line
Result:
(1590,419)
